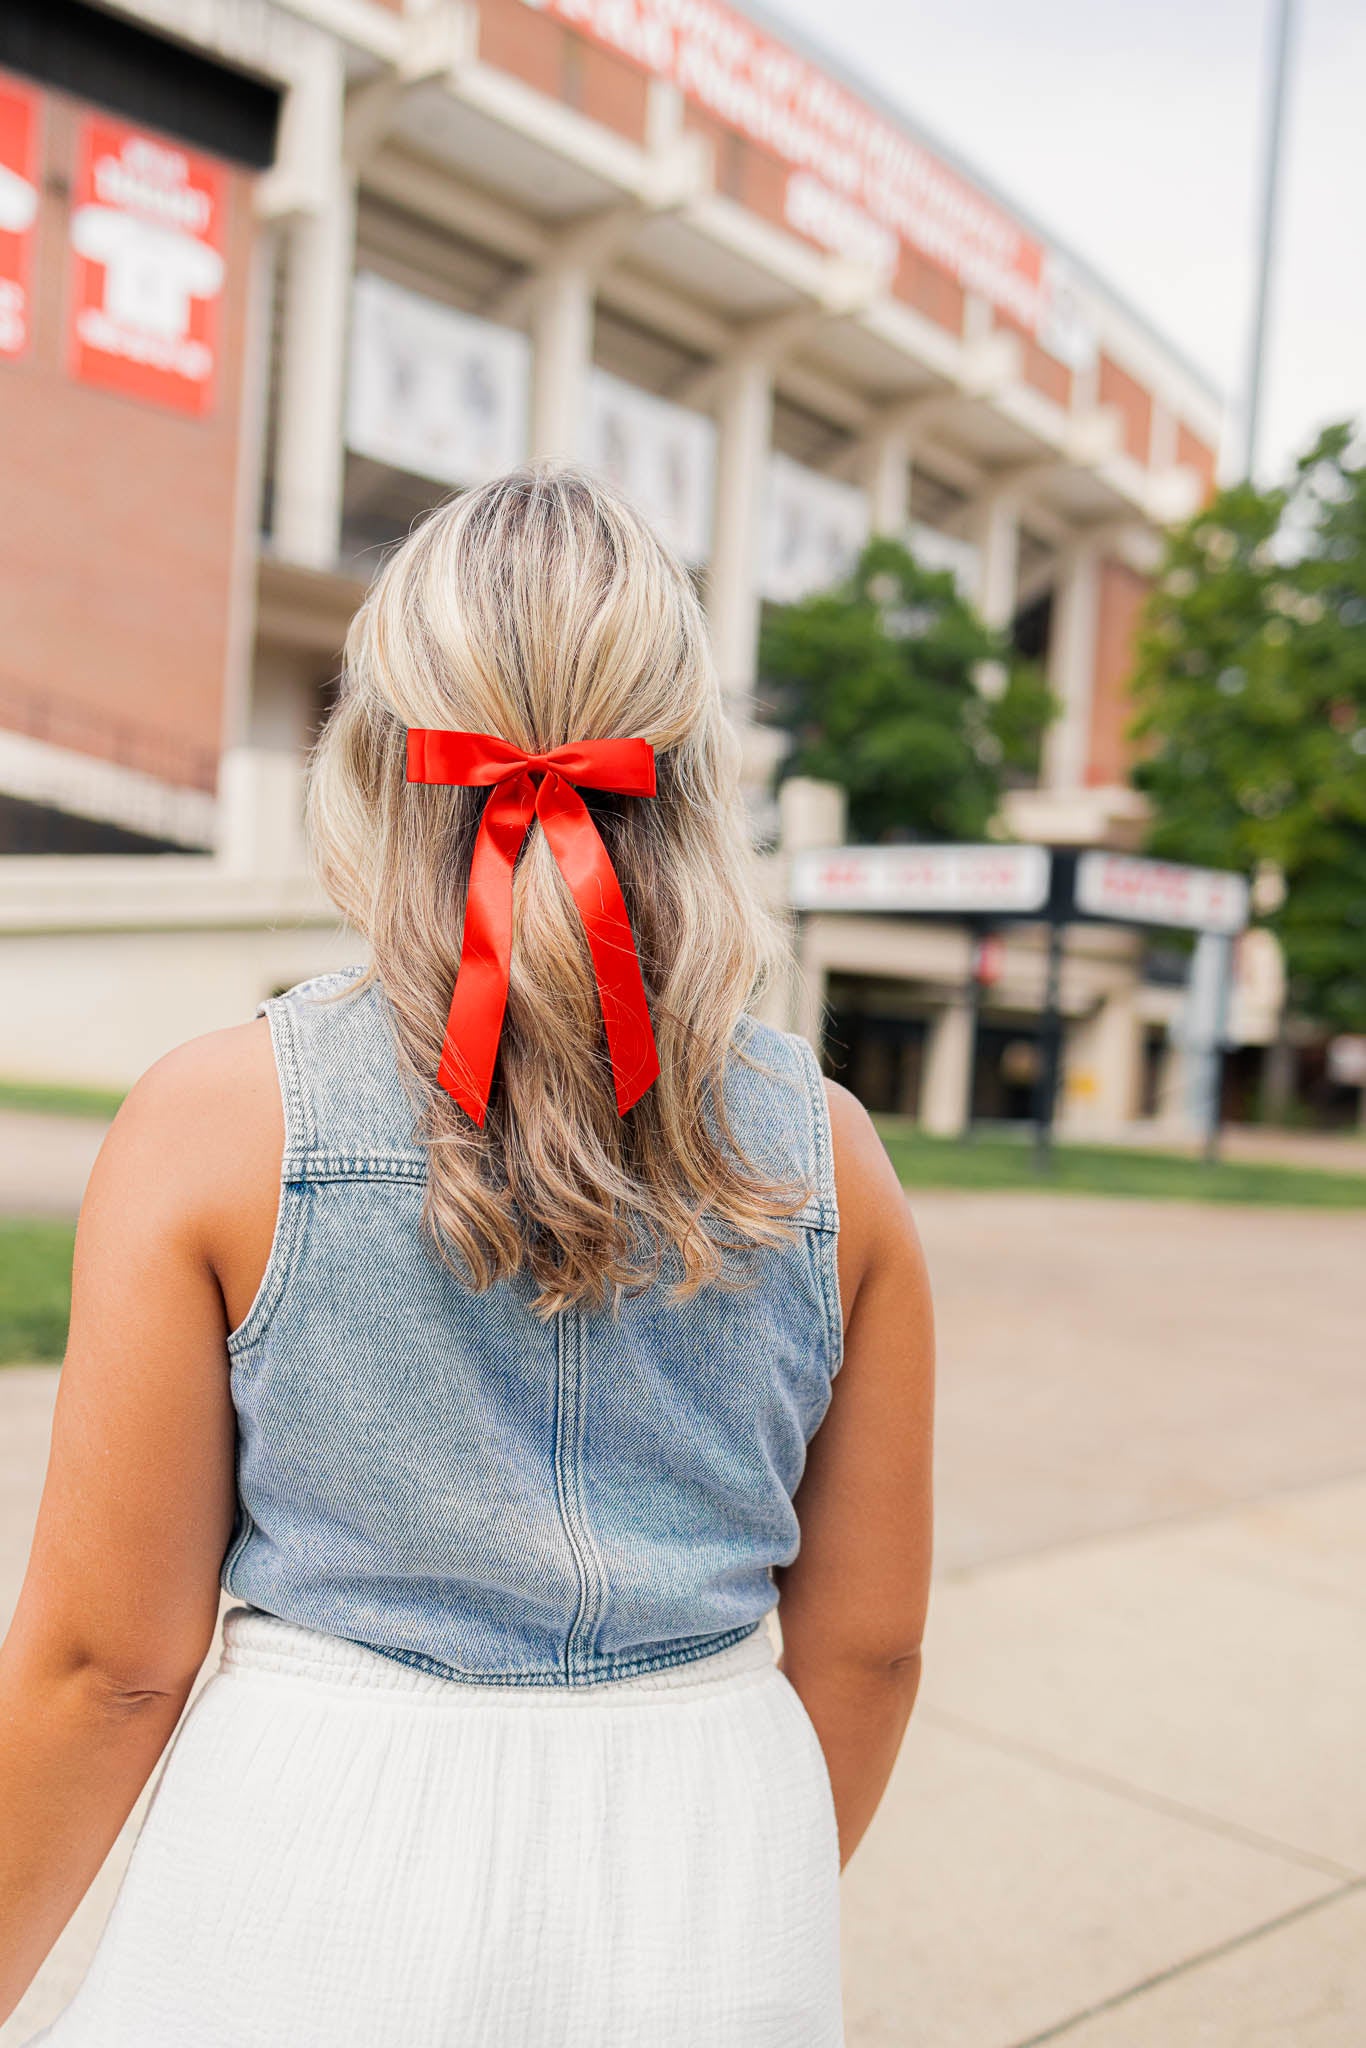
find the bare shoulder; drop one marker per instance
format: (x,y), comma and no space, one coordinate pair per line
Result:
(203,1121)
(203,1086)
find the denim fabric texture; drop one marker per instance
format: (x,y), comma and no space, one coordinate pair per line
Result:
(440,1475)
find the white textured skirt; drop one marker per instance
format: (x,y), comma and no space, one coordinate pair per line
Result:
(345,1852)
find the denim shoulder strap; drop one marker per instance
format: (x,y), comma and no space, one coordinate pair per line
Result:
(775,1100)
(346,1109)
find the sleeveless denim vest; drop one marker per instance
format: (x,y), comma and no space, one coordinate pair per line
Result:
(456,1483)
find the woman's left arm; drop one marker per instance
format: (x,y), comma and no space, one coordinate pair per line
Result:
(120,1601)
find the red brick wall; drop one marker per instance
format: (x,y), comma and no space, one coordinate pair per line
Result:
(1134,404)
(1196,454)
(567,67)
(1038,368)
(751,176)
(931,289)
(1121,598)
(117,519)
(516,39)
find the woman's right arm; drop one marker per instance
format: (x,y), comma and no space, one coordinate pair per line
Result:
(852,1603)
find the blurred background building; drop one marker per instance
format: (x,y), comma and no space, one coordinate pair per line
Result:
(276,275)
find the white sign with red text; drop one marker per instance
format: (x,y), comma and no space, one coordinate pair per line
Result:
(814,527)
(431,390)
(148,248)
(1160,892)
(966,881)
(661,455)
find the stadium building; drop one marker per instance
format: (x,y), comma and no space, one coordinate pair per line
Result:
(275,275)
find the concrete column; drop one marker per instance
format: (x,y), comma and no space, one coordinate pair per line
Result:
(562,355)
(320,260)
(996,533)
(1103,1068)
(944,1086)
(260,808)
(1072,667)
(811,814)
(239,664)
(1173,1087)
(744,421)
(261,777)
(886,477)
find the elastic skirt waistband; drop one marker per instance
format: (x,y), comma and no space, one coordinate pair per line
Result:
(257,1642)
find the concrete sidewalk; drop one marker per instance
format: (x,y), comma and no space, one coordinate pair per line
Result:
(1129,1812)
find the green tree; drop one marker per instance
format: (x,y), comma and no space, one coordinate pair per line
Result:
(876,682)
(1251,694)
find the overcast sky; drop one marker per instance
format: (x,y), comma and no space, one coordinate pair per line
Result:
(1132,130)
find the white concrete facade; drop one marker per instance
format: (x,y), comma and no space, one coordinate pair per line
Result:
(602,249)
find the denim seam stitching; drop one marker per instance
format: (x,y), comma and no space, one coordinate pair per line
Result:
(564,1320)
(610,1665)
(282,1256)
(827,1252)
(309,1164)
(301,1127)
(244,1536)
(593,1561)
(284,1261)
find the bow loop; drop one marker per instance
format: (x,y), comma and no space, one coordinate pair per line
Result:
(522,785)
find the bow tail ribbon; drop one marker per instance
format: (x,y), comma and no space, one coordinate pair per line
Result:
(586,865)
(475,1021)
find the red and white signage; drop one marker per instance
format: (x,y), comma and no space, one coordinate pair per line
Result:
(989,959)
(857,183)
(19,178)
(1160,892)
(148,222)
(953,880)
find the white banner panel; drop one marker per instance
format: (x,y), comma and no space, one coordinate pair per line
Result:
(936,550)
(1137,891)
(953,880)
(431,390)
(814,527)
(662,456)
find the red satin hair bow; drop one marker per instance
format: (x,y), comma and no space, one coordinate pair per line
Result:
(523,786)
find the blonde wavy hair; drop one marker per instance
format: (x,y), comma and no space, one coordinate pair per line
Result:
(540,607)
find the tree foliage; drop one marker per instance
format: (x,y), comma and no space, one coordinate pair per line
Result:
(877,684)
(1251,691)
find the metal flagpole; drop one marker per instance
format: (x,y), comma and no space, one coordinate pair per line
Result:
(1271,180)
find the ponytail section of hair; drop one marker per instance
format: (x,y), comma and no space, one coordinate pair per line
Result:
(541,609)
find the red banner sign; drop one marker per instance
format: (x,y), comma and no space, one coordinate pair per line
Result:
(857,182)
(148,246)
(19,179)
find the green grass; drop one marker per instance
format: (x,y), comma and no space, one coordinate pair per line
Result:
(991,1162)
(55,1098)
(35,1257)
(35,1290)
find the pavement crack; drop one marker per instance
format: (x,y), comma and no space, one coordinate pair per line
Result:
(1190,1963)
(1138,1795)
